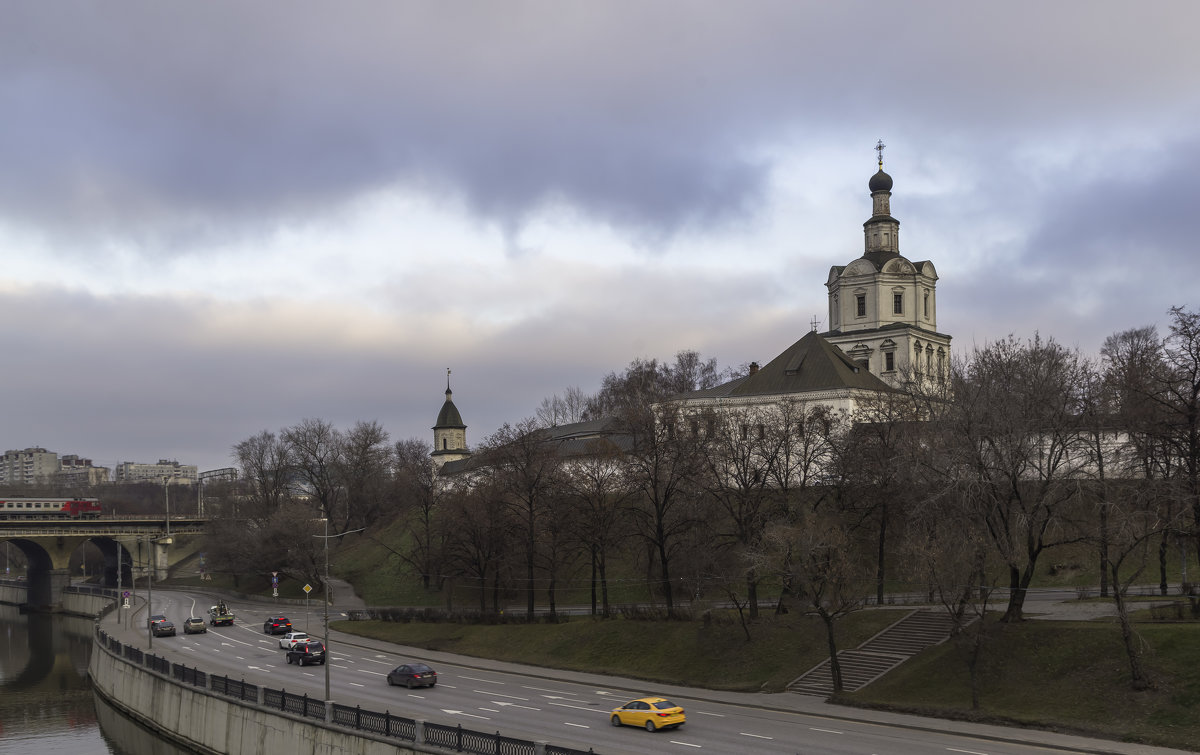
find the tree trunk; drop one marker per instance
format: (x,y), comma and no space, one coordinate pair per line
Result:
(1103,550)
(879,555)
(1016,595)
(1138,678)
(835,666)
(752,593)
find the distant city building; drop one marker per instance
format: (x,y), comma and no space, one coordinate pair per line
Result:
(174,472)
(74,470)
(28,466)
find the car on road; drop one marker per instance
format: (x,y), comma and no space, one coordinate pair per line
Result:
(219,615)
(412,675)
(277,625)
(651,713)
(292,639)
(306,653)
(194,625)
(154,619)
(162,628)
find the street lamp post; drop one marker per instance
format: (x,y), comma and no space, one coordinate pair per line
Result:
(326,537)
(167,503)
(150,590)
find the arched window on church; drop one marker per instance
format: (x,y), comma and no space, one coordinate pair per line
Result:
(917,357)
(929,359)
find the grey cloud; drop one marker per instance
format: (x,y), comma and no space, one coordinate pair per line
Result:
(170,124)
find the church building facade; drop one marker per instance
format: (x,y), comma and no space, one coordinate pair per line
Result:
(883,307)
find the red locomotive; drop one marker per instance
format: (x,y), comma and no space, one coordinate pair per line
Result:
(49,508)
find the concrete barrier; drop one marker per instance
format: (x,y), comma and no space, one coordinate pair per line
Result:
(203,722)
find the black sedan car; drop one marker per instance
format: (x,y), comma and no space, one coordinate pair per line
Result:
(162,628)
(412,675)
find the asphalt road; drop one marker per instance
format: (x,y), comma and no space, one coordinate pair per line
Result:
(567,708)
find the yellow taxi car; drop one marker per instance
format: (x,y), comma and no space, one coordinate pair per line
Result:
(652,713)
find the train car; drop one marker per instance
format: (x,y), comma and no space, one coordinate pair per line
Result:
(49,508)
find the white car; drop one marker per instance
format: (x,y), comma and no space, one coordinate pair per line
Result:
(292,639)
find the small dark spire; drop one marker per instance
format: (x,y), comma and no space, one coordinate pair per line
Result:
(879,145)
(448,391)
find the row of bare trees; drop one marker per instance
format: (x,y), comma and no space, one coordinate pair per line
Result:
(949,488)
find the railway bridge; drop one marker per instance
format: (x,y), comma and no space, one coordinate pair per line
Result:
(127,542)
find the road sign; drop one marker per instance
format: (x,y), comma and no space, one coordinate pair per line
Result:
(307,589)
(275,592)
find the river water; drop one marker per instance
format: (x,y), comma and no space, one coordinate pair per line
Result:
(46,701)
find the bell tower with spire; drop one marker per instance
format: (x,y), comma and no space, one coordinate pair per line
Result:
(882,307)
(449,433)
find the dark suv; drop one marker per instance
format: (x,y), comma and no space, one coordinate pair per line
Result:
(162,628)
(306,653)
(277,625)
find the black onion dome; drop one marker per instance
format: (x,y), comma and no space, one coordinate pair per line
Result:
(449,416)
(881,181)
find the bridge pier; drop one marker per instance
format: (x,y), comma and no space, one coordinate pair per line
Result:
(46,589)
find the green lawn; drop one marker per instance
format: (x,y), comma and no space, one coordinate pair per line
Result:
(1066,676)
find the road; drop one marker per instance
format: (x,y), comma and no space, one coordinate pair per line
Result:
(565,708)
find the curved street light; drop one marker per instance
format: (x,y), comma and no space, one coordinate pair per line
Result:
(326,537)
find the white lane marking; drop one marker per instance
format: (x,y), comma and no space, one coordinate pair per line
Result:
(685,744)
(419,697)
(581,707)
(343,668)
(706,713)
(969,752)
(514,697)
(827,731)
(580,726)
(446,686)
(381,663)
(756,736)
(513,705)
(185,647)
(477,679)
(490,710)
(461,713)
(373,673)
(356,684)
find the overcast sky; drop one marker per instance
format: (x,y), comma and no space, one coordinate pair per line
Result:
(224,217)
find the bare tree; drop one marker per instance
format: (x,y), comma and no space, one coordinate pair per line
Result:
(563,410)
(945,549)
(816,553)
(366,470)
(1011,445)
(1180,397)
(662,467)
(478,540)
(418,492)
(876,466)
(738,461)
(524,468)
(265,462)
(317,454)
(598,495)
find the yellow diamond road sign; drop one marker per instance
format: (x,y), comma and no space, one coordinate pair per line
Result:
(307,589)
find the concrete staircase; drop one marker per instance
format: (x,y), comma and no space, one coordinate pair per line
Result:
(880,654)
